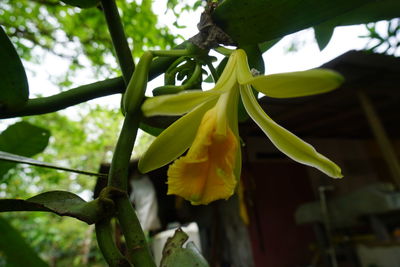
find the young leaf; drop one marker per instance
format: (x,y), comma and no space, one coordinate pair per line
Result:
(14,91)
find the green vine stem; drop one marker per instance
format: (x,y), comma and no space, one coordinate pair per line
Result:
(86,92)
(118,175)
(107,246)
(173,89)
(138,250)
(118,37)
(214,73)
(169,76)
(68,98)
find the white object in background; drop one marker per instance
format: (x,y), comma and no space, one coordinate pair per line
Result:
(145,199)
(159,240)
(379,256)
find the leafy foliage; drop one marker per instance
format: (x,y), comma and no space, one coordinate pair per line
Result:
(55,26)
(83,142)
(387,42)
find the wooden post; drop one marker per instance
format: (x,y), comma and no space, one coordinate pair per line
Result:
(381,137)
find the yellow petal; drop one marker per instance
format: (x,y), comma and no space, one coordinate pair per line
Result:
(243,72)
(176,104)
(285,141)
(181,134)
(297,84)
(206,173)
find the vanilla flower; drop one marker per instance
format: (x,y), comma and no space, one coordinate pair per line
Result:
(211,167)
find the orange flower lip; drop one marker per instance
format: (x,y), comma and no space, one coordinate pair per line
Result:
(206,172)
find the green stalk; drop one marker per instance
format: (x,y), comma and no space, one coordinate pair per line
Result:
(107,246)
(214,73)
(118,175)
(138,250)
(85,93)
(68,98)
(118,37)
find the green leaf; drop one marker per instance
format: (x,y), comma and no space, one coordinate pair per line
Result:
(174,140)
(297,84)
(176,104)
(257,21)
(82,3)
(23,139)
(14,90)
(323,34)
(174,255)
(285,141)
(15,249)
(370,12)
(62,203)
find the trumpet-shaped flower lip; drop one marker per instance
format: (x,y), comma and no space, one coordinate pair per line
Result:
(206,172)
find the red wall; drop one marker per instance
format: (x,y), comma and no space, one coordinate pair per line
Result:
(276,190)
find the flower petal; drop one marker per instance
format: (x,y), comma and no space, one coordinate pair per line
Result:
(297,84)
(206,172)
(232,114)
(174,140)
(243,72)
(284,140)
(176,104)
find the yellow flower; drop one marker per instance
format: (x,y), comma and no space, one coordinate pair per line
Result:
(211,168)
